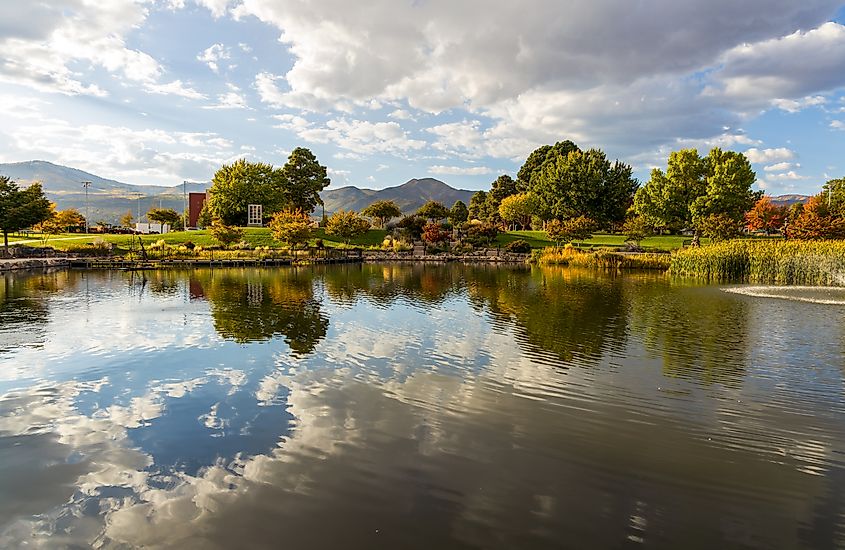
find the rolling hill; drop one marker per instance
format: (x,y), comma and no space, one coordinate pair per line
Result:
(409,196)
(109,199)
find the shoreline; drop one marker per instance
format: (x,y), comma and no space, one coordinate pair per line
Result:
(17,264)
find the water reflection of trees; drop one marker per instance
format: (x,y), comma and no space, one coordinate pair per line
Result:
(258,305)
(565,312)
(573,314)
(382,284)
(24,307)
(699,332)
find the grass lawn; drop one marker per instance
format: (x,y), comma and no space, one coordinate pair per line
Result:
(537,239)
(255,236)
(260,236)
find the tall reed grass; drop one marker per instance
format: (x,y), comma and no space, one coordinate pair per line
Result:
(601,259)
(765,261)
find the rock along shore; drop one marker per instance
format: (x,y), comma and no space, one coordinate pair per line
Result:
(32,263)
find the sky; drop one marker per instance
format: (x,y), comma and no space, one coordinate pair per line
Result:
(161,91)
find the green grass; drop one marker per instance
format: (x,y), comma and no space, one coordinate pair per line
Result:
(537,239)
(260,236)
(255,236)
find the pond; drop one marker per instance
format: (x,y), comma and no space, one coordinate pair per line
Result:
(411,406)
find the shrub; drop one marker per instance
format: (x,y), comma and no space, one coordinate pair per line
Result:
(434,233)
(720,227)
(480,234)
(225,234)
(573,229)
(518,246)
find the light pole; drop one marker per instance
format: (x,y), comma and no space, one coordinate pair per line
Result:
(86,185)
(184,204)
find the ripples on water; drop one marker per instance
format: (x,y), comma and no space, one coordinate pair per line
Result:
(418,406)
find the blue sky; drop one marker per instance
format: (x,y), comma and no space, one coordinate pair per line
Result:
(158,91)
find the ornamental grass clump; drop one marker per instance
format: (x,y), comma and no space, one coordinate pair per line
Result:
(602,259)
(766,262)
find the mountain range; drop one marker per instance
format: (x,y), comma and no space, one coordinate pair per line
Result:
(109,199)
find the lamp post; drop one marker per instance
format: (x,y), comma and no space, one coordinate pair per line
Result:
(86,185)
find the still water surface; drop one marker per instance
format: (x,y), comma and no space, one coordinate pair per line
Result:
(387,406)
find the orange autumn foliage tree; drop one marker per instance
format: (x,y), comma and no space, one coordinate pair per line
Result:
(816,222)
(765,216)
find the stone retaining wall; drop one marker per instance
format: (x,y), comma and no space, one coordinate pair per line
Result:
(32,263)
(492,255)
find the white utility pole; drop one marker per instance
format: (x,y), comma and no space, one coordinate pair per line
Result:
(86,185)
(184,204)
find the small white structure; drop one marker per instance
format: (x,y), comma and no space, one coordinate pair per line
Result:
(255,215)
(152,228)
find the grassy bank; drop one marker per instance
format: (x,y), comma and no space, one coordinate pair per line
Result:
(537,239)
(601,259)
(253,236)
(765,261)
(261,236)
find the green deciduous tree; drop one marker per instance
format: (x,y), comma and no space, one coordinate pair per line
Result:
(21,208)
(297,184)
(582,183)
(304,179)
(237,185)
(503,187)
(291,227)
(727,192)
(518,209)
(458,214)
(433,211)
(693,187)
(347,225)
(536,160)
(833,194)
(164,215)
(382,211)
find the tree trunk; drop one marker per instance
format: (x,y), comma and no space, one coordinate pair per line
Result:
(6,239)
(696,239)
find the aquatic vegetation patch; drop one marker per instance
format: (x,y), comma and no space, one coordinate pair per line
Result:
(765,261)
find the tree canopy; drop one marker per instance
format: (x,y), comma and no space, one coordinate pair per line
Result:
(237,185)
(291,227)
(382,211)
(164,215)
(347,225)
(21,208)
(478,206)
(459,213)
(295,185)
(535,161)
(518,209)
(304,178)
(694,187)
(571,183)
(433,210)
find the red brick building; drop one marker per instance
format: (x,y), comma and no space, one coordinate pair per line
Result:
(195,204)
